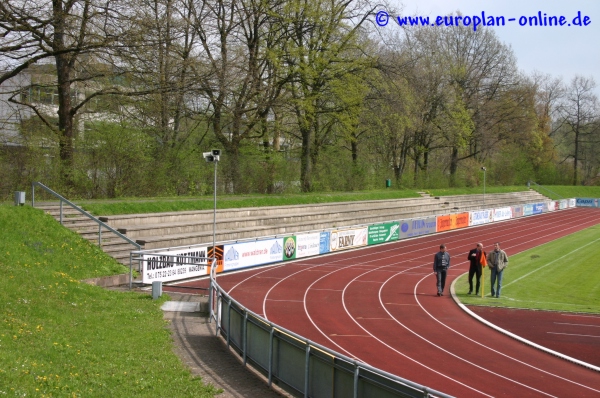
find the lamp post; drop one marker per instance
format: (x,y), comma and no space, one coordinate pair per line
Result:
(213,157)
(484,170)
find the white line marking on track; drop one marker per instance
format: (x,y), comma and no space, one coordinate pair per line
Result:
(291,301)
(576,324)
(582,316)
(551,262)
(446,351)
(572,334)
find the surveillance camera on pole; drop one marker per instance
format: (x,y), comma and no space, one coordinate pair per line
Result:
(483,168)
(212,156)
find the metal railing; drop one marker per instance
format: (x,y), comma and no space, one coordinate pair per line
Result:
(297,364)
(543,187)
(101,224)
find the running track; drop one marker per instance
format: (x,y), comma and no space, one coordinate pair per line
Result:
(379,305)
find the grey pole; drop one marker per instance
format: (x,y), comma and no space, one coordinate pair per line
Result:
(484,170)
(215,210)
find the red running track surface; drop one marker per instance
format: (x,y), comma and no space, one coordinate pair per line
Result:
(379,305)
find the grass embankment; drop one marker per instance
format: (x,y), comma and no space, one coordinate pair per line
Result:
(568,191)
(561,276)
(156,205)
(62,337)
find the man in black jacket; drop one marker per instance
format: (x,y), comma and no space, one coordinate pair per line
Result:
(441,263)
(474,258)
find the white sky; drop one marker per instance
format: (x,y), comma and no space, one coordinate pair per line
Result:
(560,51)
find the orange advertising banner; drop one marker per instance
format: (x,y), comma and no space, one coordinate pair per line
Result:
(444,223)
(452,221)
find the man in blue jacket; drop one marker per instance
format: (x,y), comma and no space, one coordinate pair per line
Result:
(441,263)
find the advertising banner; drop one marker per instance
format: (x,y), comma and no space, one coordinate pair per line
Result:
(173,265)
(348,238)
(551,206)
(386,232)
(420,226)
(539,208)
(324,244)
(586,202)
(303,245)
(479,217)
(517,211)
(289,248)
(528,209)
(572,202)
(248,254)
(502,213)
(452,221)
(563,204)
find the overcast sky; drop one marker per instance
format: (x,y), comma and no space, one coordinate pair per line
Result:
(560,51)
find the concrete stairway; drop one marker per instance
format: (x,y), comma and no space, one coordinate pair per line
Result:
(158,230)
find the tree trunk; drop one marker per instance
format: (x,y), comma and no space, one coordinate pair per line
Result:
(453,166)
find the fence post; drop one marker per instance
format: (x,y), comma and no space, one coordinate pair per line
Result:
(271,355)
(244,335)
(306,370)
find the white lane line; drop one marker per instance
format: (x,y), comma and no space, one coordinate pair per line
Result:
(582,316)
(573,334)
(395,350)
(443,349)
(530,343)
(551,262)
(577,324)
(289,301)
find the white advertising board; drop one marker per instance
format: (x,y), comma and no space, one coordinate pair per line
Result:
(173,265)
(348,238)
(502,213)
(248,254)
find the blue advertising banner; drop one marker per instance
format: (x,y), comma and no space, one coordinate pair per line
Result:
(528,209)
(587,202)
(324,243)
(421,226)
(539,208)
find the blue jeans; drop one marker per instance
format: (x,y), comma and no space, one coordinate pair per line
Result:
(498,274)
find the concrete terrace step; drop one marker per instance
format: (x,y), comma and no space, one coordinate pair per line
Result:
(124,221)
(161,230)
(223,234)
(247,222)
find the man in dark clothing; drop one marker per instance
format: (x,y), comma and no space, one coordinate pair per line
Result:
(441,263)
(475,256)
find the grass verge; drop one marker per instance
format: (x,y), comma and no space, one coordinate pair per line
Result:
(156,205)
(62,337)
(569,191)
(561,276)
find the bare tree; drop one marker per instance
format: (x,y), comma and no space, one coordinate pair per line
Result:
(578,118)
(74,35)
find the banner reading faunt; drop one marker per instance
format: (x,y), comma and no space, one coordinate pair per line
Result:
(348,238)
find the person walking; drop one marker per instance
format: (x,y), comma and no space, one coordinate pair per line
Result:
(497,261)
(441,263)
(476,257)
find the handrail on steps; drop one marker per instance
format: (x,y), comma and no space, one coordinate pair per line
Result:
(543,187)
(101,224)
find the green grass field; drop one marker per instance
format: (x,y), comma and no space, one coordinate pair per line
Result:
(108,207)
(62,337)
(562,275)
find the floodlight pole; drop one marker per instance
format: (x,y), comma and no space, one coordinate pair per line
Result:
(215,209)
(484,170)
